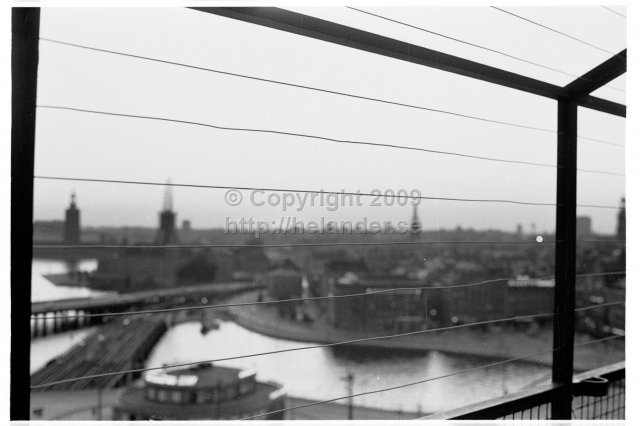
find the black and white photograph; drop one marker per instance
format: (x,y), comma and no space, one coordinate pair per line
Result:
(303,212)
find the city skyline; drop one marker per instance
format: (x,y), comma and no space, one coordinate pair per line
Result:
(179,221)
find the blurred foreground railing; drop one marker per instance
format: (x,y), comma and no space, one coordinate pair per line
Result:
(597,394)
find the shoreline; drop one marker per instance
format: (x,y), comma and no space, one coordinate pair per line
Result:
(492,344)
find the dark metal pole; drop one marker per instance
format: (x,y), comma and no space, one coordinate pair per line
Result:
(24,77)
(349,379)
(565,268)
(350,398)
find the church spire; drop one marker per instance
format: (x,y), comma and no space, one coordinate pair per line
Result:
(72,222)
(167,230)
(168,198)
(415,227)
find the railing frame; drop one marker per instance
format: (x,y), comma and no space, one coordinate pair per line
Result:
(565,270)
(24,74)
(575,94)
(527,399)
(24,84)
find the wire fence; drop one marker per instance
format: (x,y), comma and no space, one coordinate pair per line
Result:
(232,74)
(606,407)
(328,297)
(430,379)
(310,191)
(499,52)
(609,407)
(326,345)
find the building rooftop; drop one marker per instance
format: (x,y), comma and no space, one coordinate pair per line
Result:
(134,400)
(200,376)
(378,282)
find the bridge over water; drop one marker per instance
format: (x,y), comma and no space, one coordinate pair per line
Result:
(62,315)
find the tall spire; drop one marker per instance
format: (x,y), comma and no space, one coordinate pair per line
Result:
(72,222)
(167,230)
(168,197)
(416,226)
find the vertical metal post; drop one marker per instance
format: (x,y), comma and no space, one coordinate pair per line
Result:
(565,267)
(350,414)
(99,407)
(24,76)
(349,379)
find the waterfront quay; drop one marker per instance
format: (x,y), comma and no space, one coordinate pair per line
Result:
(493,343)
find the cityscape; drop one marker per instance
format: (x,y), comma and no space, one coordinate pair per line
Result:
(412,290)
(330,213)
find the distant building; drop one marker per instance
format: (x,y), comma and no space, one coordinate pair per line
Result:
(335,265)
(186,225)
(396,311)
(583,226)
(136,269)
(249,262)
(284,284)
(621,229)
(202,392)
(167,229)
(413,306)
(528,296)
(72,222)
(50,231)
(415,226)
(616,292)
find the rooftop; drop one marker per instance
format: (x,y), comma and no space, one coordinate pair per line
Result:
(200,376)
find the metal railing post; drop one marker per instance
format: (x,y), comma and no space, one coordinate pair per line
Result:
(565,267)
(24,80)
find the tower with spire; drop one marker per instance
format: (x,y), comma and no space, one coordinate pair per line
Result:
(167,229)
(415,227)
(72,222)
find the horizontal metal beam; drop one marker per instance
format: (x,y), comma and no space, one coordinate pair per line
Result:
(607,71)
(497,408)
(332,32)
(603,105)
(319,29)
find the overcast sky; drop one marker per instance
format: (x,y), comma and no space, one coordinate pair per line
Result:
(74,144)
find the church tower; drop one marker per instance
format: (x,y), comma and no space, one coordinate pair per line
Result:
(72,222)
(415,227)
(167,230)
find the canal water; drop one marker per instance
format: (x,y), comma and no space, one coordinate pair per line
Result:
(43,289)
(319,373)
(313,373)
(44,349)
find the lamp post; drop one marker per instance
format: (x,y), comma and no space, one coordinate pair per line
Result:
(99,405)
(349,379)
